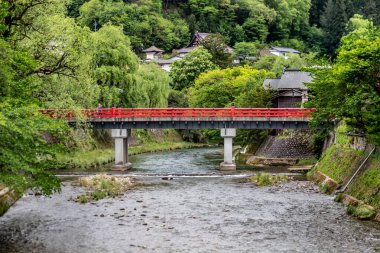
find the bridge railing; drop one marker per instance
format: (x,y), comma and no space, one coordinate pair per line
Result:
(121,113)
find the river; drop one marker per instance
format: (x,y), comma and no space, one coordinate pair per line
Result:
(201,211)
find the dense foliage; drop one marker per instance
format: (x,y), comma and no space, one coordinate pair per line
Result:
(241,85)
(49,61)
(350,89)
(317,25)
(185,72)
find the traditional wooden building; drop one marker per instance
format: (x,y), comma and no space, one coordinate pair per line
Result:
(195,42)
(290,89)
(153,53)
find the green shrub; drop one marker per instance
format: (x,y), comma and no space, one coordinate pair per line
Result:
(361,211)
(264,179)
(103,186)
(3,207)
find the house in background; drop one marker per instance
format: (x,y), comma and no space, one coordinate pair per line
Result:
(282,51)
(166,64)
(290,89)
(153,53)
(195,42)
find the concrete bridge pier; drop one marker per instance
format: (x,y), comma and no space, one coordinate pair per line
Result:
(121,149)
(228,134)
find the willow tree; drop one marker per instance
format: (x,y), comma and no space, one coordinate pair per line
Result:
(114,66)
(154,86)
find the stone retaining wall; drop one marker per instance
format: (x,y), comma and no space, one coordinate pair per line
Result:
(296,146)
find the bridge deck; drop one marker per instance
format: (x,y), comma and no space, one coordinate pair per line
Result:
(189,118)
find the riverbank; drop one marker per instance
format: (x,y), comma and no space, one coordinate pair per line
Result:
(339,163)
(210,213)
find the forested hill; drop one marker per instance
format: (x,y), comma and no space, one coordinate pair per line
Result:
(307,25)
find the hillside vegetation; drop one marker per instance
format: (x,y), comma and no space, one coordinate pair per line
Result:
(341,161)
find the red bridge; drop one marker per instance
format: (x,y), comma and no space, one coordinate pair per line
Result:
(188,118)
(122,120)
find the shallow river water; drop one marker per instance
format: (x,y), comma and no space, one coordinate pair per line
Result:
(203,211)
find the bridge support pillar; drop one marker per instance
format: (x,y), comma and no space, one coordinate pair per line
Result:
(121,149)
(228,134)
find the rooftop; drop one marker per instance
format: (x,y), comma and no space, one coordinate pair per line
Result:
(291,79)
(285,50)
(185,50)
(152,49)
(168,61)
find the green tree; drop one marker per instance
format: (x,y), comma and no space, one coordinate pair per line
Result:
(185,71)
(292,18)
(357,22)
(115,64)
(316,10)
(246,49)
(219,88)
(333,22)
(277,64)
(25,156)
(350,88)
(141,21)
(255,28)
(153,84)
(215,45)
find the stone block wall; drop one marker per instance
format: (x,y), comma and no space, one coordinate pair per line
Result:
(294,145)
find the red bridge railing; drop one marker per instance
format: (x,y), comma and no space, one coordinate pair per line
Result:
(111,113)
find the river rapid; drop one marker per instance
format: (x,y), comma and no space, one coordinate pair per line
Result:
(200,210)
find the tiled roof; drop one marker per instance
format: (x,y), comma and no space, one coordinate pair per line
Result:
(291,79)
(272,83)
(152,49)
(285,50)
(185,50)
(168,61)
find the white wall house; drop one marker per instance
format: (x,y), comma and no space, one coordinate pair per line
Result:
(153,53)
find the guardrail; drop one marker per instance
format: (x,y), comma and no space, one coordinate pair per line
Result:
(111,113)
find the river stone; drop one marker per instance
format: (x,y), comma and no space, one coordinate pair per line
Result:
(255,160)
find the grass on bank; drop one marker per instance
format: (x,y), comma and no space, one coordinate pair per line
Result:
(307,161)
(103,186)
(98,157)
(361,211)
(265,179)
(86,158)
(366,187)
(339,163)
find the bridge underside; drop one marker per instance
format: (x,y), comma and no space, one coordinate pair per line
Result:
(260,123)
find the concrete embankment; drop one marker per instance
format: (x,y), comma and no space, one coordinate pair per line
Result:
(336,168)
(287,148)
(7,198)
